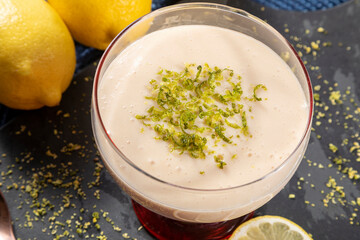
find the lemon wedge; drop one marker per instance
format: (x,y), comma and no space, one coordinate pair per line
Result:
(269,228)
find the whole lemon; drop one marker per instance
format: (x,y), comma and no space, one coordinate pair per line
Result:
(37,55)
(95,23)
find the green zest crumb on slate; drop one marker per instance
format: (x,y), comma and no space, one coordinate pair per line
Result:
(336,110)
(198,103)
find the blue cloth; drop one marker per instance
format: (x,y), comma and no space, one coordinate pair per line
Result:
(301,5)
(161,3)
(291,5)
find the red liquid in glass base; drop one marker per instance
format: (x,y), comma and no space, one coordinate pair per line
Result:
(164,228)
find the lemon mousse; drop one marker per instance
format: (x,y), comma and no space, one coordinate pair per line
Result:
(201,107)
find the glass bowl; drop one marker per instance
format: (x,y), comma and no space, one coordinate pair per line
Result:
(155,194)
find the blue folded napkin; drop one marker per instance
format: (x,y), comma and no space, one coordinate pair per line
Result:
(301,5)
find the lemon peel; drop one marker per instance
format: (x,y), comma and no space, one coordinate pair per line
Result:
(37,55)
(95,23)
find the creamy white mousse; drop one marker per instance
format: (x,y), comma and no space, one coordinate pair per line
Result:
(276,124)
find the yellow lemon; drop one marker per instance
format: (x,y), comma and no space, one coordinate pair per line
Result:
(95,23)
(269,228)
(37,54)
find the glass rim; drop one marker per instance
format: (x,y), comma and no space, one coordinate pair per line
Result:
(95,104)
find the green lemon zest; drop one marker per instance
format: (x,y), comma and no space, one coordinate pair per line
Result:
(189,105)
(255,97)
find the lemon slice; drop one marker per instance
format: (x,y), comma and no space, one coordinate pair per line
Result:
(269,228)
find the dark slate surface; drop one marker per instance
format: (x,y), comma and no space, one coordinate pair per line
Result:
(38,161)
